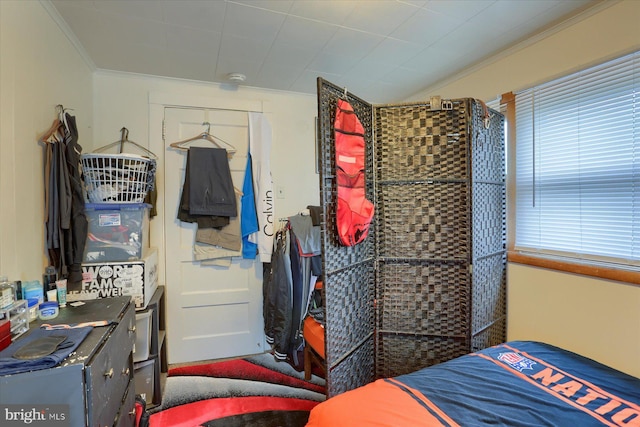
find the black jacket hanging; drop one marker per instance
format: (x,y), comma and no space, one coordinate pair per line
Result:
(76,233)
(65,220)
(278,294)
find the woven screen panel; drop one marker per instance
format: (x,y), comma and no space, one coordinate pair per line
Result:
(417,120)
(488,149)
(489,301)
(427,220)
(349,274)
(429,298)
(413,143)
(349,309)
(436,156)
(357,369)
(488,218)
(489,190)
(493,335)
(402,354)
(489,308)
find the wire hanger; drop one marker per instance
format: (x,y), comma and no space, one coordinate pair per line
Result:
(62,116)
(55,127)
(206,135)
(124,138)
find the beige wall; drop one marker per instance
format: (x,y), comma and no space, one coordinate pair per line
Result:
(597,318)
(39,68)
(122,99)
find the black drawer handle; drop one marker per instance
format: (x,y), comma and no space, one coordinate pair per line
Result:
(109,373)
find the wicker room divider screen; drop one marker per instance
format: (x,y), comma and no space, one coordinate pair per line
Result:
(429,282)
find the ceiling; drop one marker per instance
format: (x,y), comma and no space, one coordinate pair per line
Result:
(382,50)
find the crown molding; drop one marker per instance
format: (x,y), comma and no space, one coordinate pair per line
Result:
(62,24)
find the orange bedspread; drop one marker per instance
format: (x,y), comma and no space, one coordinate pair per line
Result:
(360,407)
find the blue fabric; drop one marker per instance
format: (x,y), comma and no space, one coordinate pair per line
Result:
(524,383)
(11,365)
(248,215)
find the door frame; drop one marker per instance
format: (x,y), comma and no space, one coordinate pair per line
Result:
(158,102)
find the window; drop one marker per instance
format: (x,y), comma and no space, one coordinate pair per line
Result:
(577,170)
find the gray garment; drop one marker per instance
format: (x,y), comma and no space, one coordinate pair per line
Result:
(210,184)
(307,234)
(205,221)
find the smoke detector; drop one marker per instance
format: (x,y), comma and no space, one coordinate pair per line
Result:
(236,77)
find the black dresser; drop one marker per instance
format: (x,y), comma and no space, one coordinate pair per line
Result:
(94,385)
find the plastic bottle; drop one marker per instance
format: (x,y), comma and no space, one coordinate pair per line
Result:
(7,293)
(49,278)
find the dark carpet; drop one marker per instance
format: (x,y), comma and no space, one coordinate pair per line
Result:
(255,391)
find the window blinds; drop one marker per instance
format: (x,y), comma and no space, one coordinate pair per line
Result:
(578,165)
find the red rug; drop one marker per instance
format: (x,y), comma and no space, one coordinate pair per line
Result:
(256,391)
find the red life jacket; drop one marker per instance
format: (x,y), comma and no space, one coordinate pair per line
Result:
(354,212)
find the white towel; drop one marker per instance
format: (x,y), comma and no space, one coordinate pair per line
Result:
(260,149)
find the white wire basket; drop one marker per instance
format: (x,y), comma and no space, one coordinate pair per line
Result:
(117,178)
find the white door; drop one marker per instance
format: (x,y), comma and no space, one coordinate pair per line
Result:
(212,312)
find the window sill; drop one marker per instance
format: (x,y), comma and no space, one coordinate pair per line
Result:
(619,275)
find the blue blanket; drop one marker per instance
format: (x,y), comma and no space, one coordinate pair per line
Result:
(528,384)
(11,365)
(515,384)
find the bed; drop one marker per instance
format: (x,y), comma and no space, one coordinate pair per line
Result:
(518,383)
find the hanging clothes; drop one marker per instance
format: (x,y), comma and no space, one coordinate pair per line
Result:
(207,193)
(211,186)
(217,246)
(260,151)
(65,221)
(308,235)
(278,298)
(287,289)
(76,234)
(248,217)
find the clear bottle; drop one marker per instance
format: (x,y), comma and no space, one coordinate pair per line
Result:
(7,293)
